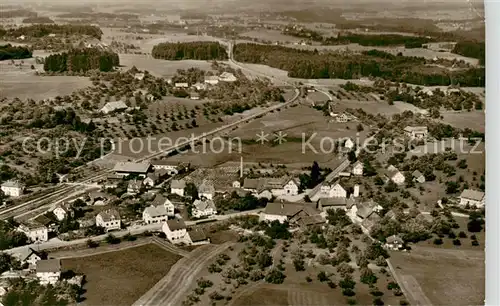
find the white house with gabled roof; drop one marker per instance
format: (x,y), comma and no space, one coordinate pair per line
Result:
(472,198)
(203,208)
(12,188)
(109,219)
(358,168)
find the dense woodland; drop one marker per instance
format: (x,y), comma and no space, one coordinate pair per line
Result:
(39,19)
(9,52)
(199,50)
(314,65)
(41,30)
(82,60)
(17,13)
(361,39)
(472,49)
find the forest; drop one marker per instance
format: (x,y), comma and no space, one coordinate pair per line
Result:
(39,19)
(9,52)
(40,30)
(361,39)
(315,65)
(82,60)
(472,49)
(17,13)
(198,50)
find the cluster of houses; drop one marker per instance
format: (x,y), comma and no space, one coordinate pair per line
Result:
(208,81)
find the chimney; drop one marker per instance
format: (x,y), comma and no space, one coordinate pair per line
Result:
(356,190)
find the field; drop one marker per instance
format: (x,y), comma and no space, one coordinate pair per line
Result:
(158,67)
(24,84)
(445,277)
(128,273)
(297,125)
(270,35)
(474,119)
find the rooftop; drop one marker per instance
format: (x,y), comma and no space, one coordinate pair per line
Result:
(415,129)
(48,265)
(203,205)
(288,209)
(156,211)
(13,184)
(197,234)
(472,195)
(178,184)
(176,224)
(109,215)
(132,167)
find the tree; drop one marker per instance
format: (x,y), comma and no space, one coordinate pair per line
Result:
(476,221)
(191,191)
(359,127)
(315,174)
(322,277)
(264,260)
(367,276)
(275,276)
(92,244)
(277,230)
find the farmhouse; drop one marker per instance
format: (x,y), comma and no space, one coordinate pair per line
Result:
(393,174)
(177,187)
(139,76)
(62,211)
(134,186)
(48,271)
(163,201)
(176,231)
(197,237)
(472,198)
(227,77)
(325,204)
(151,180)
(131,168)
(283,212)
(203,208)
(418,176)
(113,107)
(276,186)
(335,190)
(394,243)
(181,85)
(109,219)
(154,214)
(357,168)
(35,231)
(206,190)
(416,132)
(30,257)
(172,167)
(12,188)
(200,86)
(212,80)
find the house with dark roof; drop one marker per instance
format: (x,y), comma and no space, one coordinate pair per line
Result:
(176,231)
(394,243)
(325,204)
(291,212)
(418,176)
(109,219)
(198,236)
(203,208)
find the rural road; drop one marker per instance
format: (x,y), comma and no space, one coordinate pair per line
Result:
(171,289)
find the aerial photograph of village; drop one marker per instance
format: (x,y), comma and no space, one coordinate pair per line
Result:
(235,152)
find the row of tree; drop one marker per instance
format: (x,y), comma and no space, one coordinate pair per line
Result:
(38,19)
(41,30)
(315,65)
(82,60)
(198,50)
(10,52)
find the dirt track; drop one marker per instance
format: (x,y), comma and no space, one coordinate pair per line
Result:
(172,288)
